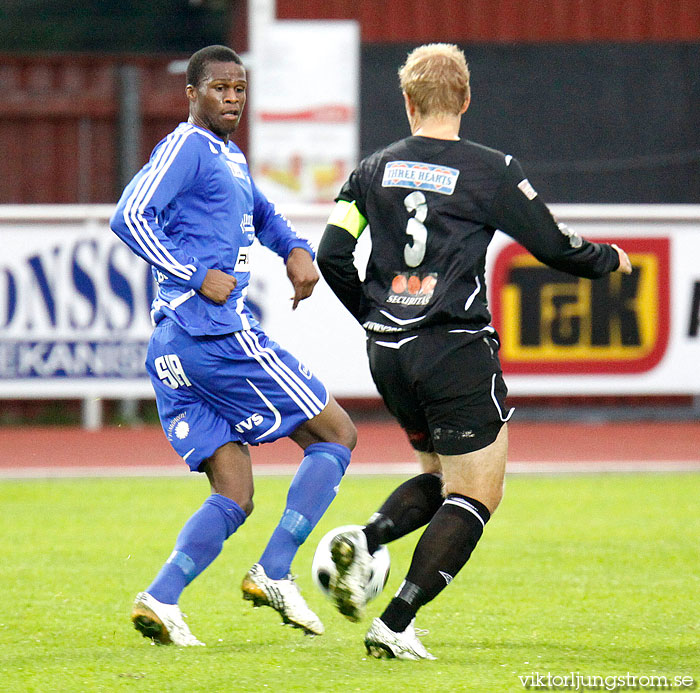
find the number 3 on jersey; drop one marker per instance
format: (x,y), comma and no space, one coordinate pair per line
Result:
(413,253)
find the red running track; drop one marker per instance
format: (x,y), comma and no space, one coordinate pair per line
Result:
(382,447)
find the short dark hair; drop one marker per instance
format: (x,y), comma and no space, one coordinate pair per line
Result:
(211,54)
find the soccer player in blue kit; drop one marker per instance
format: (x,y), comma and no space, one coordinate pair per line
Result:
(193,212)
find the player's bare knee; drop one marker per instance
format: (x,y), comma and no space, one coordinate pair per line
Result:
(495,499)
(343,430)
(489,496)
(332,425)
(243,497)
(349,435)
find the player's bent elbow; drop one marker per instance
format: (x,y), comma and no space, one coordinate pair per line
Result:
(117,223)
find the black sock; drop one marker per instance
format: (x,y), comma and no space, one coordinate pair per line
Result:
(402,608)
(409,507)
(444,548)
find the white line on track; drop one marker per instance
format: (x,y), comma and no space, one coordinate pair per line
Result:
(579,467)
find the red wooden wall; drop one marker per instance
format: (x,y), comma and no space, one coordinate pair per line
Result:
(58,123)
(508,20)
(59,114)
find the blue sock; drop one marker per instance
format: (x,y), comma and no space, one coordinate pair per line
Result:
(313,488)
(197,545)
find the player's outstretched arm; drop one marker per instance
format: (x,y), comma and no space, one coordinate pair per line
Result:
(518,210)
(217,286)
(302,274)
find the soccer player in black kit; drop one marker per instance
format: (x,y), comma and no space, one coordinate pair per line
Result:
(432,202)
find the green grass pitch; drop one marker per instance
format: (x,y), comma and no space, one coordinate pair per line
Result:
(596,575)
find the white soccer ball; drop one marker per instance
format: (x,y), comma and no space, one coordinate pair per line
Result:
(323,568)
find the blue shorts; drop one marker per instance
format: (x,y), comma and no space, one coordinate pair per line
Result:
(236,387)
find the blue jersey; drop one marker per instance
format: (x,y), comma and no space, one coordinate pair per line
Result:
(194,207)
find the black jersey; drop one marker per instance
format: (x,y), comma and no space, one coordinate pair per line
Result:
(432,207)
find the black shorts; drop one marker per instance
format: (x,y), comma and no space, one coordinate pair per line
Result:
(444,387)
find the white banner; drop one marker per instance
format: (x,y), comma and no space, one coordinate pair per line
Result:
(620,335)
(74,308)
(304,109)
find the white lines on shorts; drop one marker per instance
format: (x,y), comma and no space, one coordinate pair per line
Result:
(272,408)
(495,401)
(473,295)
(302,396)
(399,344)
(400,321)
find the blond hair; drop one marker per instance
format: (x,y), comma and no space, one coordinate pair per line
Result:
(436,78)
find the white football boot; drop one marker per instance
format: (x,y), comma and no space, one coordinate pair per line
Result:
(353,568)
(163,623)
(283,596)
(381,641)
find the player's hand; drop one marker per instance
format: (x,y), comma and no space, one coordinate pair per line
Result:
(217,286)
(302,274)
(625,264)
